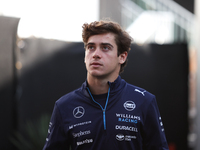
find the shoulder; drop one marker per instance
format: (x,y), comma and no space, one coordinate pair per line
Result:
(143,99)
(68,98)
(139,90)
(138,95)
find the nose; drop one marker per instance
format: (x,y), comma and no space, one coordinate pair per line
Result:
(97,53)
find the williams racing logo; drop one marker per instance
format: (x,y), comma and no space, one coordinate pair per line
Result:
(78,112)
(129,105)
(127,118)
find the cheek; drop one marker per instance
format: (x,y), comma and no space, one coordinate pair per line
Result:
(86,60)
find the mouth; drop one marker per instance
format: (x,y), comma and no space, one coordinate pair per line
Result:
(96,64)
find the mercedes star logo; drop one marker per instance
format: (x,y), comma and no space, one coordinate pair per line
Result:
(78,112)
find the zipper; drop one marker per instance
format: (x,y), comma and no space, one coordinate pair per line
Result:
(103,109)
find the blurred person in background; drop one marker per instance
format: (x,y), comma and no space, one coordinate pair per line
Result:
(106,112)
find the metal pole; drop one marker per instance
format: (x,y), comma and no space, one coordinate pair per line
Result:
(197,45)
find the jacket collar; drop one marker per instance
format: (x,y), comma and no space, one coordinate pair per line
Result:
(115,86)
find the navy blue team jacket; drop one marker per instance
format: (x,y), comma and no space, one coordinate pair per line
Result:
(130,120)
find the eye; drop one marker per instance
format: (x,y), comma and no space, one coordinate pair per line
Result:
(90,47)
(106,48)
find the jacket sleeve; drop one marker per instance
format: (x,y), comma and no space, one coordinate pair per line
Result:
(56,138)
(153,133)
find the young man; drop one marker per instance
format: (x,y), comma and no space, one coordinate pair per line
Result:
(106,113)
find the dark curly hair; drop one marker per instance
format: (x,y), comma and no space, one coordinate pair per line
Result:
(122,38)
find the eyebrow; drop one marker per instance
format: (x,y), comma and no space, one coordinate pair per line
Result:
(89,44)
(107,44)
(100,44)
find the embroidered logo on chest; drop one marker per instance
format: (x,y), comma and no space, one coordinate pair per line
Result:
(129,105)
(78,112)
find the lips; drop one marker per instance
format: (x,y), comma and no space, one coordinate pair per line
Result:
(96,64)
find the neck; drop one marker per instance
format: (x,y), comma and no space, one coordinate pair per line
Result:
(98,86)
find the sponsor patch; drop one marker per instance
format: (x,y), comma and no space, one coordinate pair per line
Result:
(126,128)
(129,105)
(78,112)
(79,124)
(81,133)
(121,137)
(161,124)
(85,141)
(49,130)
(127,118)
(140,92)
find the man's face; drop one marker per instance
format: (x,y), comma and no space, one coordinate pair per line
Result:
(101,57)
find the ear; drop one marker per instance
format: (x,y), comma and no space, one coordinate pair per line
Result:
(122,57)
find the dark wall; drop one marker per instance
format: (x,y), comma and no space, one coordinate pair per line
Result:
(160,69)
(8,30)
(163,70)
(49,78)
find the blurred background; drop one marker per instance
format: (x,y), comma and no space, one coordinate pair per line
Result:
(42,58)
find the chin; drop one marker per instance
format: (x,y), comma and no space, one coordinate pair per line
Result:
(96,74)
